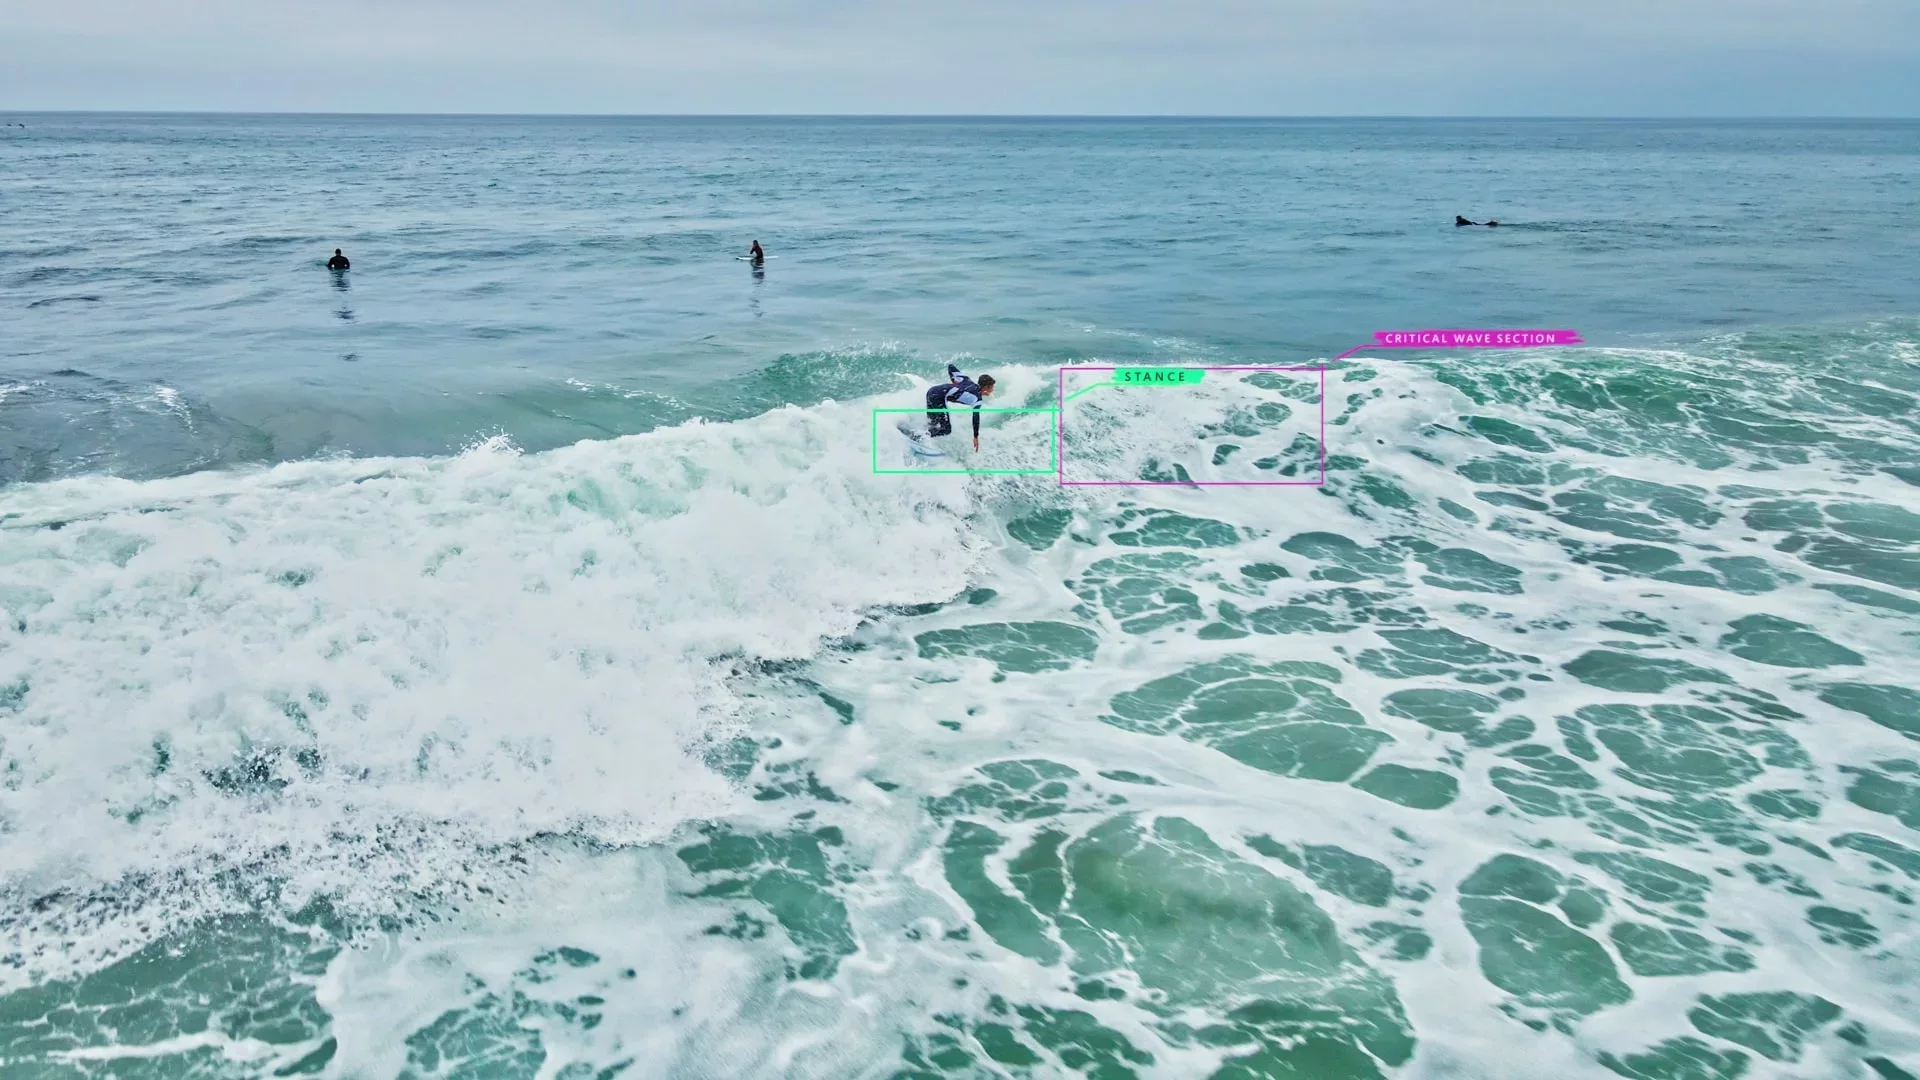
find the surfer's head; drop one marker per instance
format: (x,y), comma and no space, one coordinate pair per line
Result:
(986,385)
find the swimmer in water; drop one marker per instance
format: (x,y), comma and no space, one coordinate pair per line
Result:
(756,254)
(338,262)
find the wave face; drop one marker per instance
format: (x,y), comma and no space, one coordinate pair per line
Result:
(1569,728)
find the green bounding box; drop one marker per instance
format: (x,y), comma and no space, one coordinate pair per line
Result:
(1053,446)
(1147,376)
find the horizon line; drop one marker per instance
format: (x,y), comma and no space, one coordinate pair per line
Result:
(1756,117)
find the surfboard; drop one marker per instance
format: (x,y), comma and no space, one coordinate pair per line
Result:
(917,443)
(749,258)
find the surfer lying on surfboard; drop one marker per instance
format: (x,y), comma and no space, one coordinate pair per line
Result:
(957,390)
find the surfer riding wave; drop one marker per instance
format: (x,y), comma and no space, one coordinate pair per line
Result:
(957,390)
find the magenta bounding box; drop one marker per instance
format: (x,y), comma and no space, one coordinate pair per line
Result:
(1059,435)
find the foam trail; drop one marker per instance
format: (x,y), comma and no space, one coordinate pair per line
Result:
(335,667)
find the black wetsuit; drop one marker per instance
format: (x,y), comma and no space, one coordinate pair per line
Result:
(958,390)
(338,262)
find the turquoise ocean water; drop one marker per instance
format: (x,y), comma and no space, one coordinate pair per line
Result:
(518,657)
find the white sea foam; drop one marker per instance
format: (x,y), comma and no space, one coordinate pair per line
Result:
(508,686)
(388,664)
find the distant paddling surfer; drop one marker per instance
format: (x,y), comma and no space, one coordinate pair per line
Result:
(755,254)
(338,262)
(1459,221)
(957,390)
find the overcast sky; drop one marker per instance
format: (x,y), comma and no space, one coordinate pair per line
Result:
(1212,57)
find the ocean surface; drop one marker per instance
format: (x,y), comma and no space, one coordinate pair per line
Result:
(529,654)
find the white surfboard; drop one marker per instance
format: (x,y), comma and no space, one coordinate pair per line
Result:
(918,443)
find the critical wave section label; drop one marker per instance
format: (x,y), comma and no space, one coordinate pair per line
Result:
(1473,339)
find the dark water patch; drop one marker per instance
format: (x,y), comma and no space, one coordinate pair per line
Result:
(72,423)
(1640,560)
(1890,855)
(1683,1058)
(1774,875)
(1416,789)
(492,1031)
(1887,787)
(1783,515)
(1415,653)
(1164,528)
(1638,622)
(1873,541)
(1651,951)
(240,979)
(1510,500)
(1469,571)
(1143,592)
(1017,790)
(1335,869)
(1397,941)
(1744,574)
(1279,718)
(1542,782)
(1899,568)
(787,780)
(1025,648)
(1454,711)
(1631,674)
(1769,639)
(1874,598)
(1041,529)
(1344,560)
(1507,433)
(1896,708)
(52,300)
(1376,489)
(1303,456)
(1634,509)
(1527,950)
(1683,750)
(1845,928)
(1021,1037)
(1749,575)
(1160,902)
(1775,1025)
(1329,611)
(1652,880)
(1785,805)
(1506,470)
(794,876)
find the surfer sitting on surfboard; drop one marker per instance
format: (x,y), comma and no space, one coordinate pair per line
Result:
(958,390)
(755,253)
